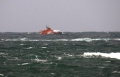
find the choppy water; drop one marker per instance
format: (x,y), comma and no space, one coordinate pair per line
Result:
(80,54)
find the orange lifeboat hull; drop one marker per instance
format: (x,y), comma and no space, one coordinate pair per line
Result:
(49,31)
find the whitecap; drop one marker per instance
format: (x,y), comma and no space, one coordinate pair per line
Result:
(53,73)
(62,40)
(48,51)
(90,39)
(43,47)
(68,55)
(3,53)
(21,44)
(118,39)
(82,39)
(23,39)
(76,39)
(16,39)
(38,60)
(1,75)
(107,55)
(24,64)
(29,48)
(2,39)
(59,58)
(101,67)
(85,39)
(11,40)
(34,40)
(116,72)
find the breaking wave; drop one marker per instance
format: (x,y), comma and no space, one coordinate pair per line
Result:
(104,55)
(77,39)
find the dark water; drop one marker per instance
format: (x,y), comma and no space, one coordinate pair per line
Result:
(80,54)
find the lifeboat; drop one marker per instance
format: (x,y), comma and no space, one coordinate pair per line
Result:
(50,31)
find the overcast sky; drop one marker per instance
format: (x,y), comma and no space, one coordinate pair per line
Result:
(64,15)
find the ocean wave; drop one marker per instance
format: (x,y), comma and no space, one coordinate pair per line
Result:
(76,39)
(38,60)
(24,64)
(1,75)
(104,55)
(91,55)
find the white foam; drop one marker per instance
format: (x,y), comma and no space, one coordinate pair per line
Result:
(9,40)
(59,58)
(69,55)
(32,40)
(29,48)
(117,39)
(2,39)
(107,55)
(77,39)
(53,73)
(24,64)
(48,51)
(23,39)
(82,39)
(21,44)
(43,47)
(1,75)
(89,39)
(39,60)
(116,72)
(3,53)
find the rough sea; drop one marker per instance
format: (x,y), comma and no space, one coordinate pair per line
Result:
(71,54)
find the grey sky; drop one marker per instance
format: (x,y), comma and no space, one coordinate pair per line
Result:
(65,15)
